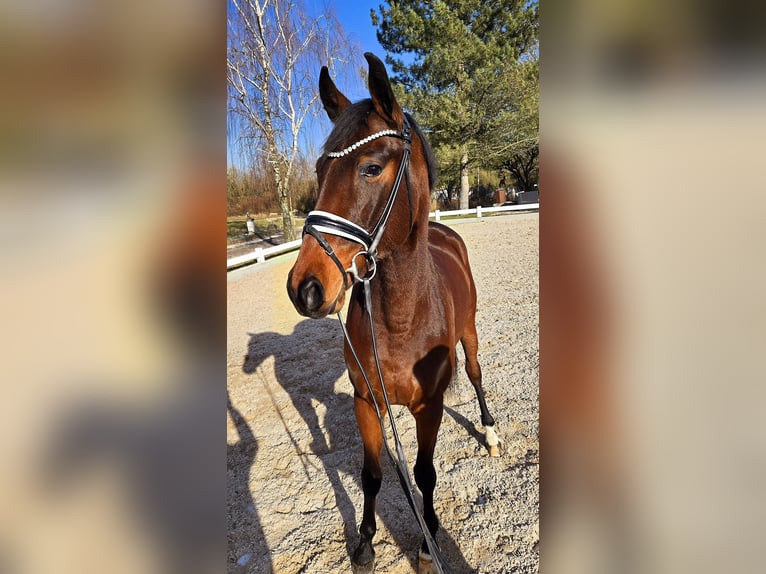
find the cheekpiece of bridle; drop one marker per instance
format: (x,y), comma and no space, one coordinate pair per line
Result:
(320,223)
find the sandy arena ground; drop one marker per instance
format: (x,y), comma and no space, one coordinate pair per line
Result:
(294,453)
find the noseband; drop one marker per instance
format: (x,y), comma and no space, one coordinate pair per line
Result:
(319,223)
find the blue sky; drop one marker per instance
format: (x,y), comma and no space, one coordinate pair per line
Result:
(354,16)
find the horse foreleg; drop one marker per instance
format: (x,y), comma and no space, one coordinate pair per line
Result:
(363,558)
(428,421)
(470,343)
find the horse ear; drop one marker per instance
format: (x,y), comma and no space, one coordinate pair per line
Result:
(380,90)
(333,100)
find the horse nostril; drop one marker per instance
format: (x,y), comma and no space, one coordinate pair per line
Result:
(311,294)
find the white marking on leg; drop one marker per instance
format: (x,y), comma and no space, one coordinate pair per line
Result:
(491,436)
(425,563)
(492,440)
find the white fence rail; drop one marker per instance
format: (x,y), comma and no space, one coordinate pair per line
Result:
(479,210)
(259,255)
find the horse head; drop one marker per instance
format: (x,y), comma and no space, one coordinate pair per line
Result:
(375,175)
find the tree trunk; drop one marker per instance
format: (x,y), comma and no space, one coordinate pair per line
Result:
(286,207)
(283,192)
(521,179)
(464,183)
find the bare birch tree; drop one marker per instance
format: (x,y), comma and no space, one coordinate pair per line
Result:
(275,51)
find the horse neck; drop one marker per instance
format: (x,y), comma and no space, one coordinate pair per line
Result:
(402,280)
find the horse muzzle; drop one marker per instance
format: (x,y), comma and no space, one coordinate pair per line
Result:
(314,285)
(308,297)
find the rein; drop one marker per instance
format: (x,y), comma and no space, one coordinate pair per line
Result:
(321,222)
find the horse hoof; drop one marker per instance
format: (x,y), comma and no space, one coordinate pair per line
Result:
(494,450)
(425,564)
(368,568)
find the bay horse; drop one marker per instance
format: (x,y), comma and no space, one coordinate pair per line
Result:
(421,299)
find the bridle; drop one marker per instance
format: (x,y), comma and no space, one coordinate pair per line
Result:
(319,223)
(323,222)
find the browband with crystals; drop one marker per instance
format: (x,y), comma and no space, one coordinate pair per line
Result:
(363,141)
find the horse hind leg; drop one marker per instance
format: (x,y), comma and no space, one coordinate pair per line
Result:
(470,342)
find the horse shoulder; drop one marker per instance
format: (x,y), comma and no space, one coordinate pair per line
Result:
(450,258)
(448,250)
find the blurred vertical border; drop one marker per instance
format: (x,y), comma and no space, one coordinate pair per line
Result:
(112,211)
(112,298)
(653,322)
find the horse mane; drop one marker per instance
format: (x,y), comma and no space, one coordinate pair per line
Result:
(356,114)
(433,166)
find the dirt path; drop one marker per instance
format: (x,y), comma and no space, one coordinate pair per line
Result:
(294,455)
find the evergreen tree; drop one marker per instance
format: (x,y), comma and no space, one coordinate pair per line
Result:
(468,69)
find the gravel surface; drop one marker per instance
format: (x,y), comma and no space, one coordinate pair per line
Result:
(294,453)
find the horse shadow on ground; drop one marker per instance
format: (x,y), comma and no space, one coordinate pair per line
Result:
(466,424)
(316,347)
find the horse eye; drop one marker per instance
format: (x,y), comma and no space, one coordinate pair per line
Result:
(371,170)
